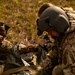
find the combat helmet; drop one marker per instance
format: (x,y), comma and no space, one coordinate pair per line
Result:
(54,18)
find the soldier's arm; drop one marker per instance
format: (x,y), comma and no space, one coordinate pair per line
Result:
(4,51)
(49,63)
(26,49)
(51,59)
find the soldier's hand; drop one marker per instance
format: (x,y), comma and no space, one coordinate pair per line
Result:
(42,42)
(1,38)
(31,47)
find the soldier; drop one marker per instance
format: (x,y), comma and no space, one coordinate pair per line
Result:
(55,21)
(10,59)
(43,7)
(42,51)
(3,49)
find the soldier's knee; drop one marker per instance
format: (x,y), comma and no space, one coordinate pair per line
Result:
(58,70)
(1,69)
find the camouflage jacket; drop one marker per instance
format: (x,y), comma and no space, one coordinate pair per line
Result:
(62,51)
(11,58)
(68,53)
(4,51)
(3,54)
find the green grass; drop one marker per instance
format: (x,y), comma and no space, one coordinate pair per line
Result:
(21,15)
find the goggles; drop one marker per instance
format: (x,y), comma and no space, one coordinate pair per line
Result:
(43,25)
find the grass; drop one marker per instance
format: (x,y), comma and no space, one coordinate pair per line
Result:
(21,16)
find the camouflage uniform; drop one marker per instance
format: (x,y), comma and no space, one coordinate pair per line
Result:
(9,56)
(3,53)
(13,60)
(62,54)
(50,61)
(67,50)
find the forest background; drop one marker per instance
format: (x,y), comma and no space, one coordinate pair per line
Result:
(21,15)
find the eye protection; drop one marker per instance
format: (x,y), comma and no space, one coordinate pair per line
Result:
(43,25)
(59,24)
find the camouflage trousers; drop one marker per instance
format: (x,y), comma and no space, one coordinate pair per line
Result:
(45,71)
(64,70)
(58,70)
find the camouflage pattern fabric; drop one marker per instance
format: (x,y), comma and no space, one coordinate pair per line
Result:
(62,58)
(45,71)
(12,60)
(58,70)
(67,56)
(41,54)
(49,61)
(62,53)
(15,60)
(4,51)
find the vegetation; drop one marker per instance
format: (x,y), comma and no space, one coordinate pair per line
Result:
(21,16)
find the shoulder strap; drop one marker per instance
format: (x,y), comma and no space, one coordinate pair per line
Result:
(15,70)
